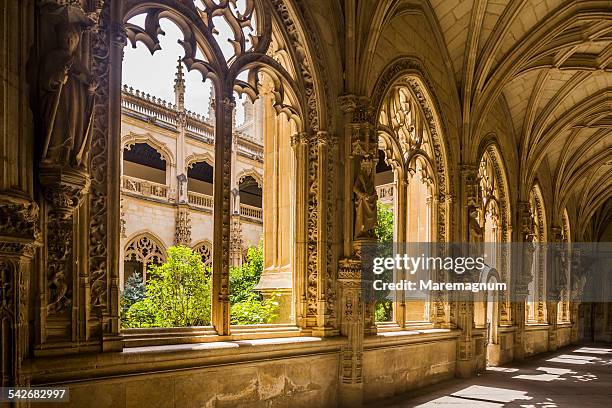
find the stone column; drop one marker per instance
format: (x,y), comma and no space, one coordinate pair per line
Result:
(555,283)
(224,101)
(299,143)
(522,276)
(360,194)
(472,236)
(19,235)
(19,214)
(352,312)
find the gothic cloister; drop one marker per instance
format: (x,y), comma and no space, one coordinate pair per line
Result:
(485,123)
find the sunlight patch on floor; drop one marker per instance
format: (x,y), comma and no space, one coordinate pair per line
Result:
(550,374)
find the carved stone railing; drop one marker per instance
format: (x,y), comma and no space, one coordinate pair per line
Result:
(149,108)
(144,187)
(385,192)
(200,200)
(250,211)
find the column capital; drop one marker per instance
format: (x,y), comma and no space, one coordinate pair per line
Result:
(358,109)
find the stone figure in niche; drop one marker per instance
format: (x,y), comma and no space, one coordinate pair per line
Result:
(182,184)
(475,230)
(528,251)
(236,200)
(475,233)
(66,87)
(365,201)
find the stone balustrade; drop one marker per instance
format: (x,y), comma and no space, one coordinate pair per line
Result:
(200,200)
(144,187)
(250,211)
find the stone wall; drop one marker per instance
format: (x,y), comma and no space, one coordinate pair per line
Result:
(397,368)
(536,340)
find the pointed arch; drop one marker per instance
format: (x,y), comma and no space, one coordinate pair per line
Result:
(204,249)
(132,138)
(199,157)
(407,73)
(250,173)
(490,150)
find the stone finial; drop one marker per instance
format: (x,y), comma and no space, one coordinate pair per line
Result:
(179,86)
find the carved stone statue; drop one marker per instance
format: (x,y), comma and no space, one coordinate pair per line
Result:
(66,88)
(475,230)
(365,201)
(236,200)
(182,185)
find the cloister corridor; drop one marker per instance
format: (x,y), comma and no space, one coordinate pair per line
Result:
(575,376)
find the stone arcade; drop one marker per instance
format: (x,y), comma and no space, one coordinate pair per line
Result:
(477,122)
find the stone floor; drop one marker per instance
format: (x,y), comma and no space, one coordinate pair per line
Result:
(571,377)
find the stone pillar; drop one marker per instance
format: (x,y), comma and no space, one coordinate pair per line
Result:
(19,214)
(299,144)
(326,301)
(352,312)
(19,235)
(235,204)
(551,306)
(177,175)
(182,233)
(360,193)
(473,236)
(522,265)
(555,283)
(236,242)
(278,220)
(224,101)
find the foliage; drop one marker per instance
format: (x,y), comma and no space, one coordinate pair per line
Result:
(134,291)
(178,293)
(247,305)
(384,224)
(384,235)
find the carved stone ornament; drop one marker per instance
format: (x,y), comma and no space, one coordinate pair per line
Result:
(65,102)
(66,87)
(19,219)
(59,249)
(365,201)
(183,227)
(64,189)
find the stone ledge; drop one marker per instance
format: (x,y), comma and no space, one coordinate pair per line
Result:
(536,326)
(396,338)
(137,337)
(155,359)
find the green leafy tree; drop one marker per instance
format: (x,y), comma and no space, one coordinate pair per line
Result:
(384,235)
(247,305)
(177,293)
(133,291)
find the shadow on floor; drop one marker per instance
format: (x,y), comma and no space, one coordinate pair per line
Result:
(578,376)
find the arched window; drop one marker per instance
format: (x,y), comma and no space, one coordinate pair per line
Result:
(492,308)
(140,253)
(200,184)
(411,168)
(144,170)
(384,180)
(242,50)
(205,250)
(250,192)
(489,213)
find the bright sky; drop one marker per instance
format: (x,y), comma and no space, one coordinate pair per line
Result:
(154,74)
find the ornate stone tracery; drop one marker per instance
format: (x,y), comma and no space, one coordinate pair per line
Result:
(145,249)
(204,248)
